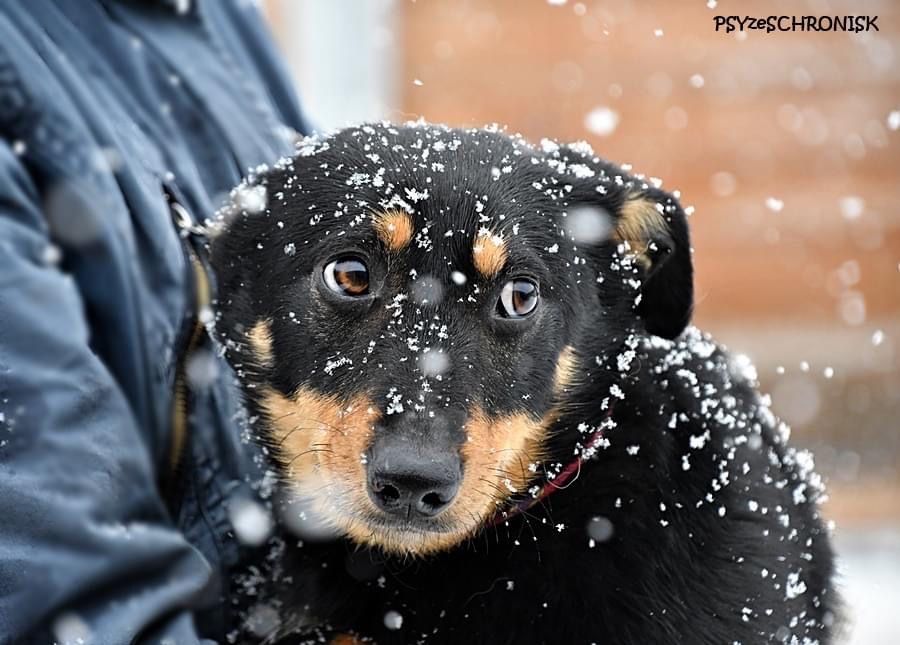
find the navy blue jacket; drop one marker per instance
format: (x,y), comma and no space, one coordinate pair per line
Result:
(117,118)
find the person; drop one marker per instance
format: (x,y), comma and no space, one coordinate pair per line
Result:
(123,124)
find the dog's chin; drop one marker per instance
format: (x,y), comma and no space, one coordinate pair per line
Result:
(398,536)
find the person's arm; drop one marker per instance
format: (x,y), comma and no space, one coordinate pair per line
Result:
(86,544)
(261,57)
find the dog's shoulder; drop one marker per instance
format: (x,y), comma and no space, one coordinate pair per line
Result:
(743,503)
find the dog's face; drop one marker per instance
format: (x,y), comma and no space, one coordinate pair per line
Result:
(415,306)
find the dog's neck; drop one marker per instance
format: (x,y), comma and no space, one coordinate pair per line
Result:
(582,439)
(557,480)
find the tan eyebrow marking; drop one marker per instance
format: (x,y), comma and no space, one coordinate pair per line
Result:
(394,229)
(489,254)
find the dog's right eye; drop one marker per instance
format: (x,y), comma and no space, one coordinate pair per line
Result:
(347,276)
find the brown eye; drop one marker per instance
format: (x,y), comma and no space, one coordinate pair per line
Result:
(347,276)
(518,298)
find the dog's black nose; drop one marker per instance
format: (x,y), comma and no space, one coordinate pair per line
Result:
(408,483)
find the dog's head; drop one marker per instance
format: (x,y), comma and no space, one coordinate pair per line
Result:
(414,306)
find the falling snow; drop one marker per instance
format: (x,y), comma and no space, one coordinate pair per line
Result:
(602,121)
(774,204)
(252,523)
(393,620)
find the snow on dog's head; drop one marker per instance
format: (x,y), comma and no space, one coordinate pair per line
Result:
(415,305)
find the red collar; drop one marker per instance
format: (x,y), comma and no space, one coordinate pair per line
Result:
(565,477)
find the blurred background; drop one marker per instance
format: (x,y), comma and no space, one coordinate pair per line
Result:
(786,144)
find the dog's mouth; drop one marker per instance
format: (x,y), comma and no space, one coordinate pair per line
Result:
(408,537)
(350,510)
(404,530)
(336,511)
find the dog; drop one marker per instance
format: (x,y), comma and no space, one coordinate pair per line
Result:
(469,360)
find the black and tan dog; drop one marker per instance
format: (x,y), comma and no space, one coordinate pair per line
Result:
(468,359)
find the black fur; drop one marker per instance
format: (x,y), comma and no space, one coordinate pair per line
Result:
(716,536)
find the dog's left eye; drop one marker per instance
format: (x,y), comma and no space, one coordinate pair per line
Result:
(518,298)
(347,276)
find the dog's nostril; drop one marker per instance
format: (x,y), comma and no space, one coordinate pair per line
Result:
(387,494)
(431,503)
(409,492)
(411,481)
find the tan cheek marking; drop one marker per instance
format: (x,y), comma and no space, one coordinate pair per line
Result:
(320,438)
(566,370)
(639,222)
(489,254)
(497,455)
(260,339)
(394,229)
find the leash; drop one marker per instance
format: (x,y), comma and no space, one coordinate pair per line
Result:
(564,478)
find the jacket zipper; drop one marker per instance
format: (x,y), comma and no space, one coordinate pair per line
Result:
(202,299)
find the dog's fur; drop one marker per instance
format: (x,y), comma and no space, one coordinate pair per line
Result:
(715,533)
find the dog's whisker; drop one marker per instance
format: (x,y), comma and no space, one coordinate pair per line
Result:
(290,432)
(307,452)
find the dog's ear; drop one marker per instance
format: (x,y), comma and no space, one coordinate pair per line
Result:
(237,263)
(647,224)
(652,226)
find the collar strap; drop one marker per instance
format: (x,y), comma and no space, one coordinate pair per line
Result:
(564,478)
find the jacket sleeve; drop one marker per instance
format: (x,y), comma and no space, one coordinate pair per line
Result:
(86,545)
(260,56)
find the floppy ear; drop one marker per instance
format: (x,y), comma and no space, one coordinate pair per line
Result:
(649,221)
(236,266)
(654,226)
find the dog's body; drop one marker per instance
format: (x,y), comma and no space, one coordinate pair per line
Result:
(677,512)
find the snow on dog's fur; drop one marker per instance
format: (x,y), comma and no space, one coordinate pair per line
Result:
(429,325)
